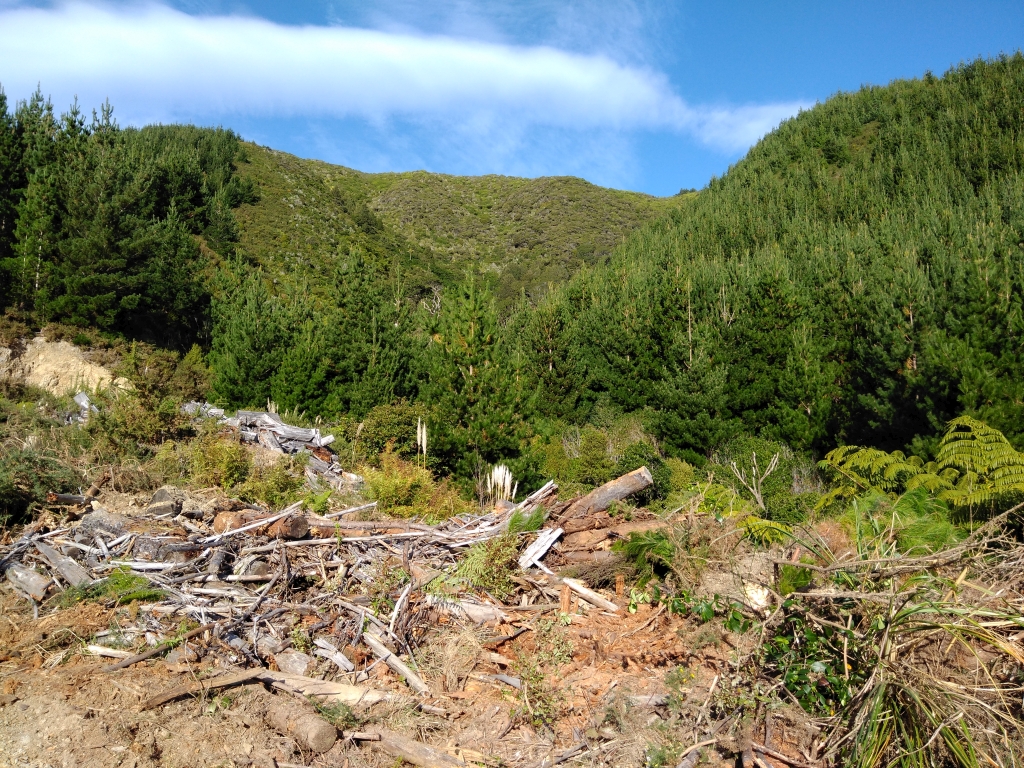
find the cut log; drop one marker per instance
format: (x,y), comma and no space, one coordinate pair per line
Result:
(28,581)
(601,498)
(291,527)
(590,595)
(229,521)
(415,752)
(230,530)
(269,441)
(588,539)
(303,724)
(591,522)
(598,556)
(73,573)
(110,653)
(94,490)
(397,666)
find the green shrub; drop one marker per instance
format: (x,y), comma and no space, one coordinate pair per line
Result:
(404,489)
(520,523)
(390,425)
(592,464)
(681,474)
(651,553)
(207,461)
(278,485)
(792,578)
(119,588)
(791,508)
(26,476)
(643,454)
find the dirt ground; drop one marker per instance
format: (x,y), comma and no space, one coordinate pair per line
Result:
(602,674)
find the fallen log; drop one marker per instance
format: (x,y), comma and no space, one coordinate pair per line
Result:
(415,752)
(223,681)
(376,644)
(218,537)
(588,539)
(163,647)
(303,724)
(337,693)
(326,690)
(780,756)
(110,653)
(328,651)
(601,498)
(291,526)
(73,573)
(94,490)
(67,499)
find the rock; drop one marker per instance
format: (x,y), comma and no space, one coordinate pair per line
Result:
(258,568)
(166,501)
(268,645)
(293,662)
(58,367)
(173,550)
(104,523)
(192,510)
(163,509)
(180,656)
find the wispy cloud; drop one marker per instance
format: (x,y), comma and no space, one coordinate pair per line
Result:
(157,63)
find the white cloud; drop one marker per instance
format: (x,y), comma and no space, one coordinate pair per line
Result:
(156,63)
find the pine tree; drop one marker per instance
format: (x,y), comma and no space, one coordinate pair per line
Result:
(301,381)
(249,341)
(38,223)
(368,337)
(12,181)
(546,337)
(471,381)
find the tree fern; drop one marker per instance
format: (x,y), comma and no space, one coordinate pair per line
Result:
(976,470)
(991,471)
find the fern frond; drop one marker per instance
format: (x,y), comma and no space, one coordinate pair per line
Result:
(766,532)
(928,481)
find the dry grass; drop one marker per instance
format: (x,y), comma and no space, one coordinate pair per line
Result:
(450,656)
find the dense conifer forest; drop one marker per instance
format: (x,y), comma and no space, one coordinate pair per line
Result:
(855,279)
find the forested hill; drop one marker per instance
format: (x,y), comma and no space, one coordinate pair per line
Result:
(858,277)
(517,234)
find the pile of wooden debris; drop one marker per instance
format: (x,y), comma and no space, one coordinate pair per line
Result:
(365,592)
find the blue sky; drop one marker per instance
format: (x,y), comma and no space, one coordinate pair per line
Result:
(638,95)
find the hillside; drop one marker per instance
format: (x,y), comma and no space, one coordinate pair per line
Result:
(855,278)
(522,233)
